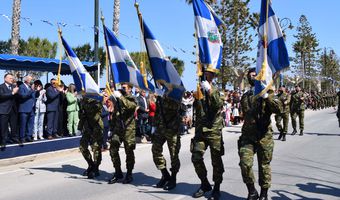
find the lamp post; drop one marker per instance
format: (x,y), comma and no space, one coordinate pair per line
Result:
(285,23)
(96,36)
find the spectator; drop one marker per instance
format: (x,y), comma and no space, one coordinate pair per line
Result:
(40,110)
(152,112)
(236,107)
(72,110)
(62,117)
(52,108)
(27,97)
(8,92)
(142,114)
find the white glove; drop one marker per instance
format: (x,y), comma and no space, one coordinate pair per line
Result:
(265,96)
(159,92)
(117,94)
(205,85)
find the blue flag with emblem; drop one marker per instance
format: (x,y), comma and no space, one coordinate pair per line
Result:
(209,38)
(272,55)
(82,79)
(163,70)
(123,67)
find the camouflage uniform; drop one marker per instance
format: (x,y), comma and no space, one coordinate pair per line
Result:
(338,113)
(91,125)
(257,137)
(297,107)
(167,130)
(124,127)
(284,115)
(208,132)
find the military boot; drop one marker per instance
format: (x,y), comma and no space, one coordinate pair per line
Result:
(118,175)
(216,194)
(128,177)
(280,136)
(264,194)
(252,192)
(294,132)
(205,187)
(96,170)
(284,137)
(301,132)
(90,166)
(165,178)
(171,184)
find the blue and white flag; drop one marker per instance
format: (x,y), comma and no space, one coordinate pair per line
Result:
(209,38)
(123,67)
(163,70)
(272,55)
(82,79)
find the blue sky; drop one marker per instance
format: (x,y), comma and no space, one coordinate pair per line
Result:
(171,22)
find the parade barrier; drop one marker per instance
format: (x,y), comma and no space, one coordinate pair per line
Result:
(38,147)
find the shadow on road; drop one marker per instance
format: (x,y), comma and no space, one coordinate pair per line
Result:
(319,189)
(283,195)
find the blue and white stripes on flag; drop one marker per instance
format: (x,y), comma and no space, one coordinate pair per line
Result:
(272,55)
(82,79)
(123,68)
(209,38)
(163,70)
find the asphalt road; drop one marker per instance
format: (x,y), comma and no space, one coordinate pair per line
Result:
(303,167)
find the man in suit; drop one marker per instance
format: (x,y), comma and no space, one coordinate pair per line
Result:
(27,95)
(142,113)
(52,108)
(7,109)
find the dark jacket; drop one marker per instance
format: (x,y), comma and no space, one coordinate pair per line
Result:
(7,100)
(26,99)
(142,113)
(53,98)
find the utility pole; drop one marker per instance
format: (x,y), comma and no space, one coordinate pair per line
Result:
(96,37)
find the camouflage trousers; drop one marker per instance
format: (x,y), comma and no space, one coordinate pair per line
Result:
(282,117)
(301,114)
(94,138)
(199,145)
(247,147)
(128,138)
(173,140)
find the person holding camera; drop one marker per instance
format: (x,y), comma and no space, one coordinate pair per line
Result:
(40,109)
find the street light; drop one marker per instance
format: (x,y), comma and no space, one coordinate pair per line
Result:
(285,23)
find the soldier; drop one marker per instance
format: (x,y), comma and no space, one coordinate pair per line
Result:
(123,131)
(257,137)
(284,115)
(91,125)
(167,123)
(338,113)
(208,133)
(297,107)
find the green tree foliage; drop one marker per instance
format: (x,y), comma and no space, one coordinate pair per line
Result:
(330,70)
(34,46)
(5,47)
(306,53)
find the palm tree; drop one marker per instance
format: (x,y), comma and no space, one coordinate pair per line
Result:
(15,35)
(116,16)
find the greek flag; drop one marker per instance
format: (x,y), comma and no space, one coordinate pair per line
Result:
(82,79)
(163,70)
(123,68)
(272,55)
(209,37)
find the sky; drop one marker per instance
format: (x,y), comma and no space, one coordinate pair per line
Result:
(171,21)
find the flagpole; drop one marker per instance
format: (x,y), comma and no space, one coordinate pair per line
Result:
(60,55)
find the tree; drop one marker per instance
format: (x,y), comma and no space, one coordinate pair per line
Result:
(5,47)
(330,70)
(15,34)
(306,50)
(116,16)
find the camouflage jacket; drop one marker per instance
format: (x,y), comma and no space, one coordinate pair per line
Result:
(124,118)
(170,118)
(297,101)
(208,112)
(257,112)
(90,114)
(285,100)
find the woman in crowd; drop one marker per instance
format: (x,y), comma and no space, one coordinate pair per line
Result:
(40,110)
(72,110)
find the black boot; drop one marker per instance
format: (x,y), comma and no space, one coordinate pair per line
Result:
(165,178)
(301,132)
(216,194)
(171,184)
(284,137)
(280,136)
(118,175)
(205,187)
(252,192)
(128,177)
(264,194)
(294,132)
(96,170)
(89,168)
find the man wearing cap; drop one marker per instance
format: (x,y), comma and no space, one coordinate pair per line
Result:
(284,115)
(297,108)
(208,133)
(257,137)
